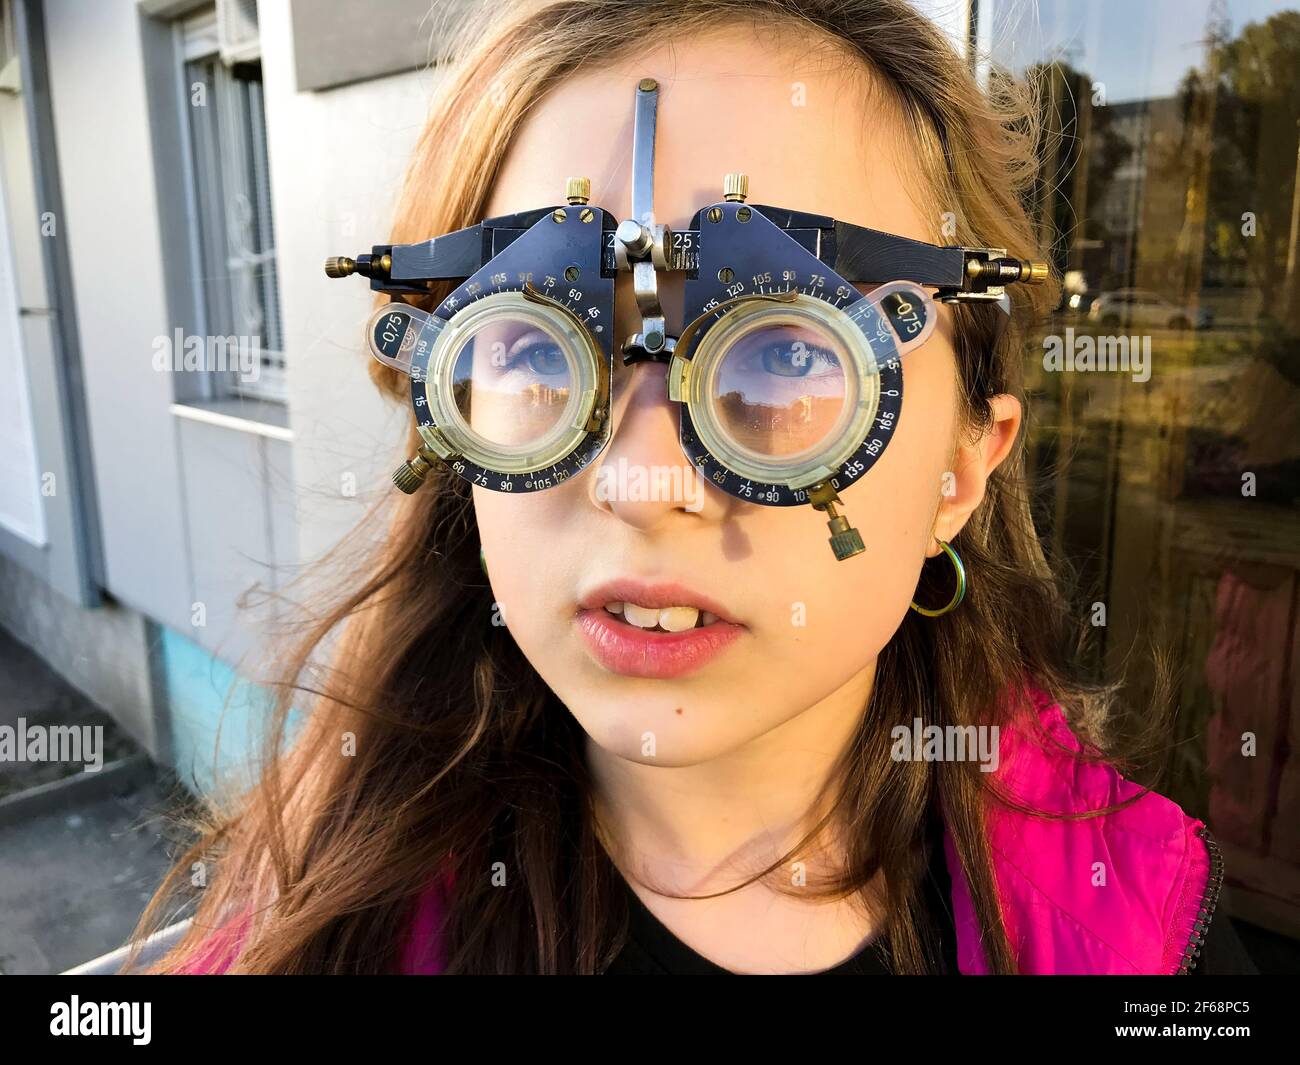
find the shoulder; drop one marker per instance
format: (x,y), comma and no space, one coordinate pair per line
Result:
(1094,873)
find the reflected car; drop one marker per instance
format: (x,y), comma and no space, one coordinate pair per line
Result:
(1135,306)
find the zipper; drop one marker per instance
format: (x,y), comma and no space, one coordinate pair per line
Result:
(1205,910)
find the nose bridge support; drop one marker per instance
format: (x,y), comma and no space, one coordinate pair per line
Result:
(641,244)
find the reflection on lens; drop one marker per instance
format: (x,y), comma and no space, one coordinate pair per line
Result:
(780,389)
(512,381)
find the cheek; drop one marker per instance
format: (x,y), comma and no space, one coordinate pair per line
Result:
(831,618)
(527,579)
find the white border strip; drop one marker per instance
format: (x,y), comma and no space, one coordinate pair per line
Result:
(232,421)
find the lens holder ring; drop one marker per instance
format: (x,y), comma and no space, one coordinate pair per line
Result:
(779,493)
(582,357)
(888,366)
(559,261)
(779,268)
(853,421)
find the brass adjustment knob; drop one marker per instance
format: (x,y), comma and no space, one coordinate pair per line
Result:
(1004,271)
(369,266)
(577,190)
(411,474)
(1038,272)
(845,540)
(735,187)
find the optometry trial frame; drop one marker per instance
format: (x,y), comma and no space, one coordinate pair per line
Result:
(789,379)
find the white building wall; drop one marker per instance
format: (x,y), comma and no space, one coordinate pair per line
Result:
(337,157)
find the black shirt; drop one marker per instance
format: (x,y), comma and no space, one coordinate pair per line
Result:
(652,950)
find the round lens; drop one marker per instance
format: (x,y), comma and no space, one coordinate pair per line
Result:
(780,388)
(515,381)
(512,381)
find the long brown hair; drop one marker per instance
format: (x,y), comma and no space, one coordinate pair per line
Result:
(460,756)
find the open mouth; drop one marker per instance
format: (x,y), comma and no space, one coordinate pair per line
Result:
(660,619)
(659,629)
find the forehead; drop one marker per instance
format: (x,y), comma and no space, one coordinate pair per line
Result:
(810,126)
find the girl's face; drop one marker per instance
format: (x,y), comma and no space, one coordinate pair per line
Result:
(815,136)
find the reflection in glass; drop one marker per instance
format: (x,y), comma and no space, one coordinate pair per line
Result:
(1172,207)
(779,390)
(512,381)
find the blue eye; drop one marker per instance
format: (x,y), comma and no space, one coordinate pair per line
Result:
(797,358)
(538,353)
(545,359)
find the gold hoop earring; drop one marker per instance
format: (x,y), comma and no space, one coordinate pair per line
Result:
(957,596)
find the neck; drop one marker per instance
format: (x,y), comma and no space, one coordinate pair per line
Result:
(706,827)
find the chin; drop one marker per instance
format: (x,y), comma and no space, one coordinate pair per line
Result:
(628,731)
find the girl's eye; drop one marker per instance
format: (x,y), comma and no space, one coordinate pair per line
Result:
(797,358)
(536,351)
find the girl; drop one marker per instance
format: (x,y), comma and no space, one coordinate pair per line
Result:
(564,793)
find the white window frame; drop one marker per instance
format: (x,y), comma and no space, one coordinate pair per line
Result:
(231,296)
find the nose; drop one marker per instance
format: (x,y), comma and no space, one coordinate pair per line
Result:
(643,477)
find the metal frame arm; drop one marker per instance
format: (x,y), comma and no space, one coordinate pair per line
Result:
(870,256)
(454,256)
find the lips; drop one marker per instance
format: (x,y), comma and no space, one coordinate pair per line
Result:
(626,649)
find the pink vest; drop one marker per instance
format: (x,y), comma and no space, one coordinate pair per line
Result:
(1120,893)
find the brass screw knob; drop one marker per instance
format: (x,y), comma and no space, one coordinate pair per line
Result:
(339,266)
(735,187)
(411,474)
(845,540)
(1038,272)
(577,190)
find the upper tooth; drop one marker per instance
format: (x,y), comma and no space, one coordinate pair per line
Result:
(614,608)
(669,618)
(678,618)
(643,616)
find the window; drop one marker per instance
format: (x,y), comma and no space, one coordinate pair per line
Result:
(1174,197)
(233,243)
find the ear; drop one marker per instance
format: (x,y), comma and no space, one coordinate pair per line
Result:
(973,463)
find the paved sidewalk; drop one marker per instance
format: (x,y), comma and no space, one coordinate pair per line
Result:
(74,882)
(32,692)
(75,873)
